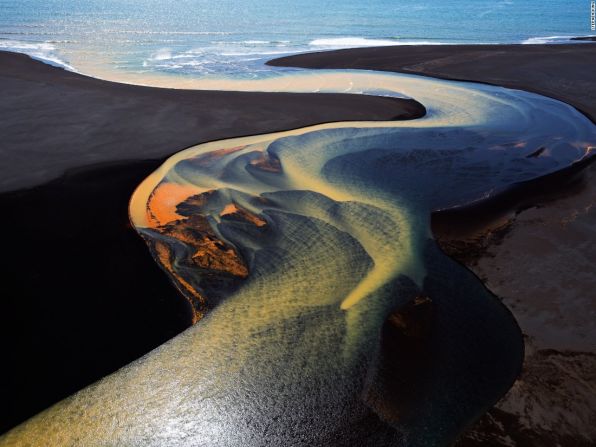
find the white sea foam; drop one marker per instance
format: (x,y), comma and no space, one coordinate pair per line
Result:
(353,42)
(549,39)
(42,51)
(252,53)
(162,54)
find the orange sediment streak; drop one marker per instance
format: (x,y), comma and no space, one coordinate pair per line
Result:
(213,156)
(215,258)
(232,209)
(164,200)
(266,163)
(163,255)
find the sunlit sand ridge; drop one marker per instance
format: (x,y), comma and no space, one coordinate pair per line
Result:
(295,248)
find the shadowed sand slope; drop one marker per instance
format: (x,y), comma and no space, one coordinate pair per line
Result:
(321,238)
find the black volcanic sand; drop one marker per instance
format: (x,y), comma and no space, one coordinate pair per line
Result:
(52,120)
(81,295)
(562,71)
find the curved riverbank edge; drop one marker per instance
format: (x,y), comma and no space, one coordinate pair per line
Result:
(561,71)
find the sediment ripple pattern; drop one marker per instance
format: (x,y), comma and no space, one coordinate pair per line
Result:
(326,313)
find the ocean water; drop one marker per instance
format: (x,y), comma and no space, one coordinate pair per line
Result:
(233,38)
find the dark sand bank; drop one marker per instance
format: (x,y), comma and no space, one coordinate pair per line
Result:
(53,120)
(564,72)
(81,295)
(534,247)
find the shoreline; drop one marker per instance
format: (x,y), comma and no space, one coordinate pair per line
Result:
(191,81)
